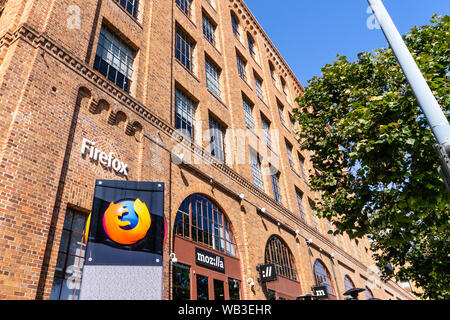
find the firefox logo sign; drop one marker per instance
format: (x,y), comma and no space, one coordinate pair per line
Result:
(127,221)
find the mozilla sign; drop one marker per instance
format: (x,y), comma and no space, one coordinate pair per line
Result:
(105,159)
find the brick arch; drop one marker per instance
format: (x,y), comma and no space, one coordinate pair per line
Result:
(136,129)
(209,198)
(288,261)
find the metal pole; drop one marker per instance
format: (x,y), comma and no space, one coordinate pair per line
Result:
(430,107)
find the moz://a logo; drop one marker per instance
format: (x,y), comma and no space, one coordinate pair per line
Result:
(105,159)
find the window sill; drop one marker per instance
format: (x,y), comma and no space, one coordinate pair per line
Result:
(187,70)
(216,97)
(212,44)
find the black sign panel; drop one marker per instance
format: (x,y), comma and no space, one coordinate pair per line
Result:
(127,224)
(320,292)
(209,260)
(267,273)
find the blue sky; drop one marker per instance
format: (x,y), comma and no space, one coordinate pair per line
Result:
(309,33)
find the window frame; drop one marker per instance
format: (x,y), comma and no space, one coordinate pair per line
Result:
(213,80)
(278,253)
(183,43)
(185,99)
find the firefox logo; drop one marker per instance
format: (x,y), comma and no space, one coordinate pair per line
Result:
(126,222)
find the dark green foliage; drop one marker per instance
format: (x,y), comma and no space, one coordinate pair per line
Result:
(374,159)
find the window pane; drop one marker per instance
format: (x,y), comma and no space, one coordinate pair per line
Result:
(219,290)
(202,288)
(70,261)
(181,282)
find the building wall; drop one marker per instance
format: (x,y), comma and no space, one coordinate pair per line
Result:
(51,98)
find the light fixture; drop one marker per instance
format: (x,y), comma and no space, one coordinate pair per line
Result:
(263,210)
(250,282)
(320,249)
(278,223)
(332,255)
(242,196)
(309,241)
(297,232)
(178,158)
(173,257)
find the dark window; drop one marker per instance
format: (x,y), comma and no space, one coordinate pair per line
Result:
(256,169)
(216,133)
(181,282)
(300,204)
(185,6)
(70,261)
(369,294)
(209,30)
(323,276)
(280,255)
(130,5)
(242,65)
(276,188)
(208,226)
(266,131)
(248,113)
(251,46)
(184,48)
(271,295)
(234,289)
(235,26)
(114,59)
(219,290)
(259,87)
(348,283)
(212,77)
(184,113)
(202,288)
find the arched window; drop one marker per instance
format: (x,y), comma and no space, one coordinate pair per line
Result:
(280,255)
(323,276)
(201,221)
(369,294)
(348,283)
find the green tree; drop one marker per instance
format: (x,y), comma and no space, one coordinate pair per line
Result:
(373,156)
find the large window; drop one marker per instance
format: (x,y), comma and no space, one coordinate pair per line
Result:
(300,204)
(184,113)
(323,277)
(130,5)
(114,59)
(185,6)
(235,25)
(277,188)
(209,29)
(279,254)
(281,113)
(216,133)
(259,86)
(256,169)
(290,157)
(266,131)
(248,111)
(369,294)
(212,77)
(251,46)
(181,282)
(184,48)
(348,283)
(201,221)
(242,66)
(70,261)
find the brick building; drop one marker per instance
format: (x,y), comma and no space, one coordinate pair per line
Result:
(191,93)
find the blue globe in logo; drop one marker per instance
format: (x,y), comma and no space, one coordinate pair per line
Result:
(130,215)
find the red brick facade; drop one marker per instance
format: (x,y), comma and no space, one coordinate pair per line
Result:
(51,98)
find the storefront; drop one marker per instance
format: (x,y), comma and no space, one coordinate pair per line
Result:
(207,263)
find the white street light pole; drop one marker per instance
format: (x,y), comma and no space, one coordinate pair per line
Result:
(430,107)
